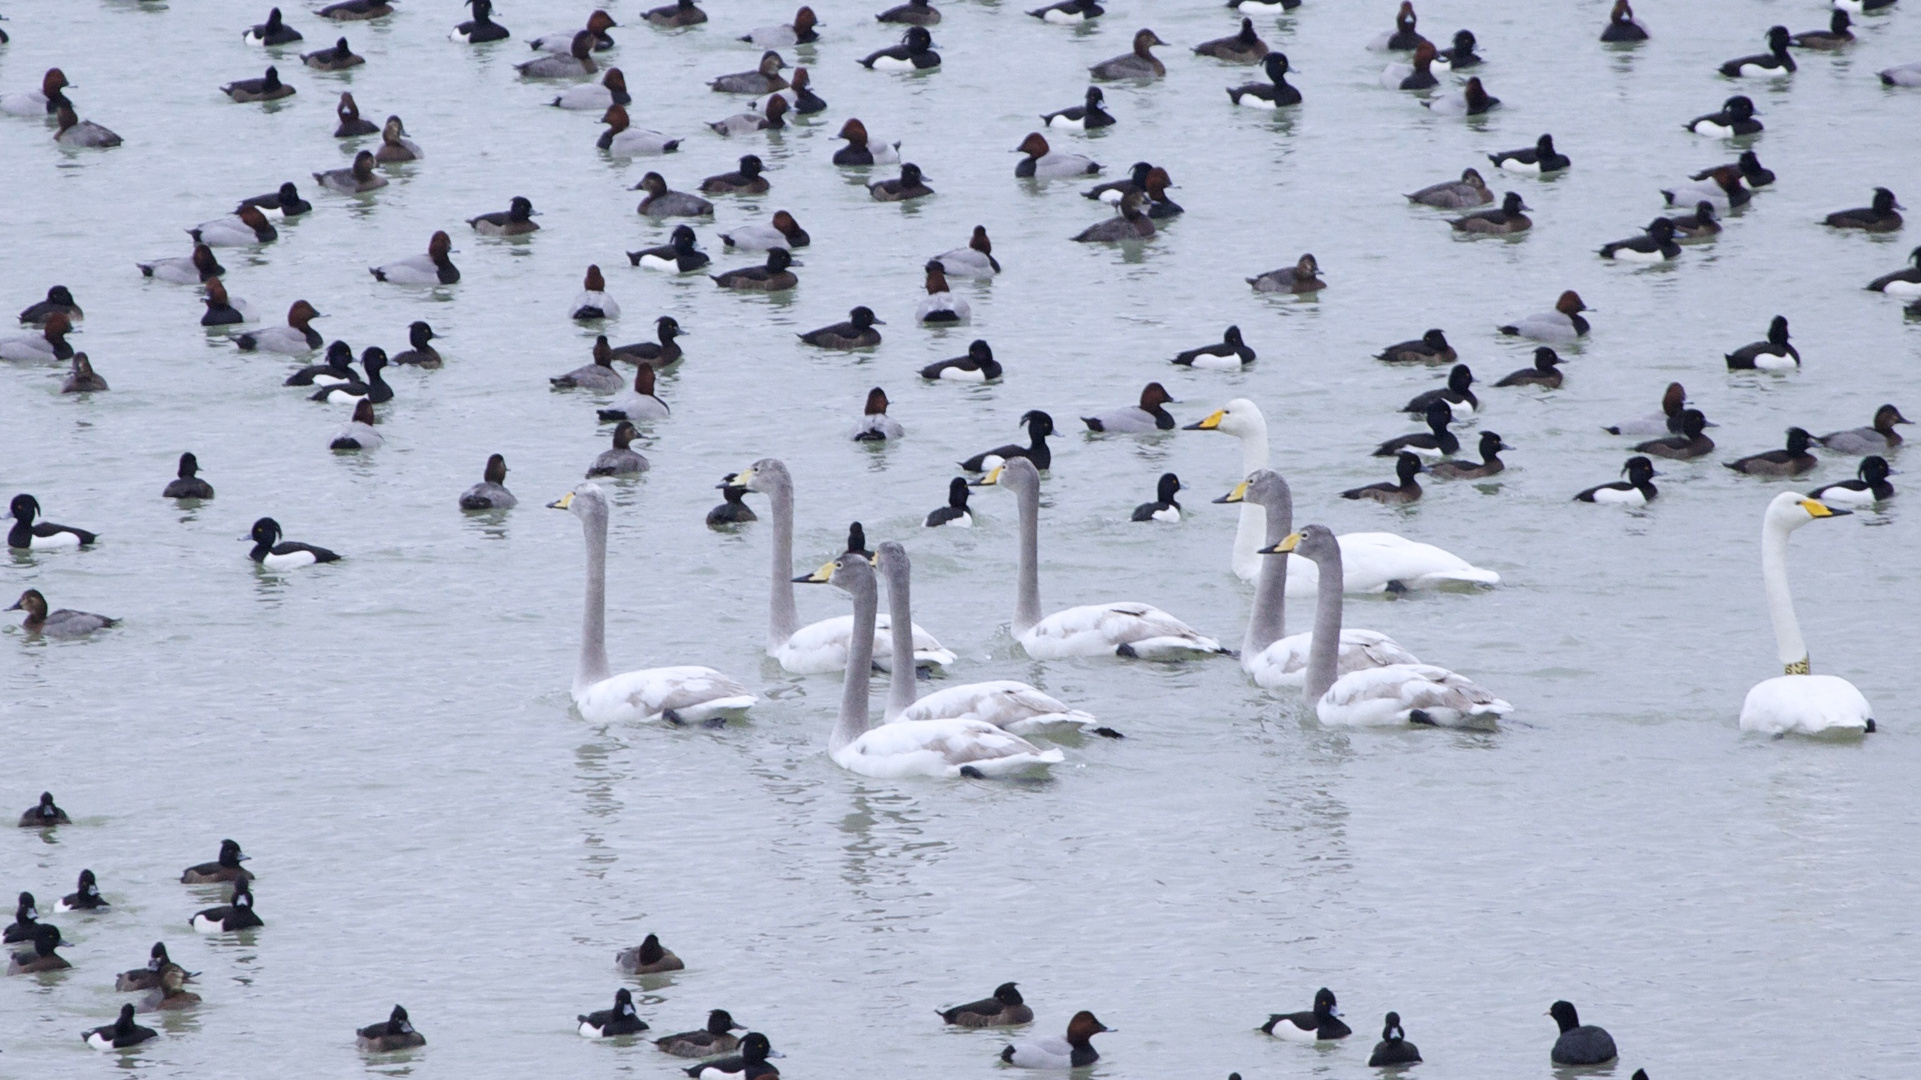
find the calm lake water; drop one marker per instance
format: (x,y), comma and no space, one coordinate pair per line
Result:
(391,737)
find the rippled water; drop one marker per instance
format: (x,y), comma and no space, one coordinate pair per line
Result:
(391,737)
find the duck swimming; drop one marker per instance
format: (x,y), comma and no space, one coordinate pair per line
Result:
(661,353)
(1473,100)
(358,433)
(235,915)
(1323,1022)
(1164,507)
(955,514)
(1005,1008)
(337,370)
(1139,64)
(617,1021)
(1736,118)
(1637,490)
(1507,221)
(914,53)
(373,360)
(1774,354)
(784,231)
(1069,12)
(1394,1050)
(622,460)
(592,302)
(1876,438)
(1792,460)
(913,13)
(731,511)
(678,256)
(148,977)
(1699,225)
(82,379)
(1622,27)
(1777,61)
(749,1064)
(609,91)
(663,202)
(397,1031)
(673,16)
(244,228)
(1904,283)
(122,1034)
(976,260)
(1537,160)
(1302,277)
(1417,74)
(482,28)
(82,133)
(856,333)
(1877,218)
(266,88)
(577,61)
(1039,426)
(273,32)
(648,958)
(1429,348)
(355,179)
(861,150)
(1042,163)
(1690,442)
(491,493)
(747,180)
(620,140)
(1869,487)
(395,147)
(1543,373)
(941,307)
(1656,245)
(1489,465)
(1229,354)
(60,299)
(63,624)
(1578,1043)
(1075,1050)
(1722,187)
(1561,326)
(770,118)
(1457,394)
(27,534)
(1405,489)
(1148,416)
(194,269)
(1245,47)
(1130,223)
(1404,37)
(911,184)
(294,339)
(978,365)
(639,404)
(1087,116)
(351,125)
(774,276)
(764,79)
(187,483)
(716,1038)
(1469,190)
(271,554)
(45,813)
(224,868)
(1273,94)
(1836,36)
(799,32)
(339,58)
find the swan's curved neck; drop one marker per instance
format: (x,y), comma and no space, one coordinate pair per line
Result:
(1027,599)
(1324,651)
(782,620)
(1268,622)
(592,665)
(860,661)
(1788,644)
(900,691)
(1248,534)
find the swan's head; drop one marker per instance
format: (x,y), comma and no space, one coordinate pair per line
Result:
(1017,473)
(1263,487)
(1790,510)
(851,572)
(1240,418)
(585,501)
(892,559)
(1314,542)
(765,476)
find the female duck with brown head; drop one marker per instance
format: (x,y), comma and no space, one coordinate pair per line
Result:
(355,179)
(874,424)
(679,695)
(266,88)
(663,202)
(621,140)
(1303,277)
(187,483)
(577,61)
(1075,1050)
(44,102)
(799,32)
(860,150)
(638,405)
(1149,416)
(1561,326)
(914,53)
(1124,628)
(1419,694)
(351,125)
(395,146)
(48,345)
(433,268)
(1877,438)
(944,749)
(1139,64)
(622,459)
(1469,190)
(82,379)
(648,958)
(63,623)
(1275,93)
(339,58)
(491,493)
(610,90)
(1041,163)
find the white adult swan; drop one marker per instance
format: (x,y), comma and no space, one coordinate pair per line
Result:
(942,748)
(1242,419)
(1271,657)
(1120,629)
(1006,704)
(822,646)
(1382,696)
(1797,702)
(676,694)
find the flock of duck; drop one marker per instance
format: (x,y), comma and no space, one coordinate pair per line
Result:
(1348,676)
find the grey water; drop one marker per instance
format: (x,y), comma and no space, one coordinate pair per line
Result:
(391,736)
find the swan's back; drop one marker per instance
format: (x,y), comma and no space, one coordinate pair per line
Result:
(1004,703)
(1392,695)
(941,748)
(1100,629)
(1370,560)
(690,691)
(1283,665)
(1806,705)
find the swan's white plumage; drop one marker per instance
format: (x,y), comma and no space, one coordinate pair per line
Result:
(693,693)
(1284,663)
(1805,705)
(1371,560)
(940,748)
(822,646)
(1380,696)
(1145,631)
(1005,703)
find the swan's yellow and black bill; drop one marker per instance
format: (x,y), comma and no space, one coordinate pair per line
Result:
(741,478)
(1818,509)
(1288,543)
(993,477)
(562,503)
(1213,421)
(1239,494)
(819,577)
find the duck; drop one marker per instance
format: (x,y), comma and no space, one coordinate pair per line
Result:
(45,101)
(1405,489)
(1540,159)
(1264,7)
(1159,206)
(1429,348)
(747,180)
(768,118)
(26,915)
(1700,225)
(223,310)
(356,179)
(338,58)
(1039,426)
(1129,223)
(1561,326)
(63,624)
(648,958)
(749,1064)
(1469,190)
(149,977)
(1902,75)
(598,23)
(1461,55)
(731,511)
(638,405)
(1665,422)
(46,812)
(773,276)
(1777,61)
(664,202)
(1506,221)
(955,514)
(622,460)
(85,134)
(1545,371)
(620,140)
(1748,165)
(716,1038)
(1796,701)
(351,125)
(764,79)
(1125,628)
(1069,12)
(187,483)
(1457,394)
(397,1031)
(578,60)
(421,352)
(1148,416)
(273,32)
(1416,74)
(1904,283)
(1164,507)
(234,915)
(661,353)
(861,148)
(1003,1008)
(244,228)
(1836,36)
(911,184)
(1622,27)
(266,88)
(1404,37)
(978,365)
(1139,64)
(1722,187)
(358,10)
(1275,93)
(227,866)
(1870,485)
(1792,460)
(975,261)
(82,379)
(1578,1043)
(875,425)
(1087,116)
(272,554)
(171,994)
(1231,353)
(358,433)
(433,268)
(1655,245)
(122,1034)
(1735,119)
(1112,192)
(336,371)
(193,269)
(1690,442)
(1879,436)
(800,94)
(1075,1050)
(1637,490)
(294,339)
(1490,464)
(374,388)
(611,90)
(1774,354)
(856,333)
(1323,1022)
(1394,1050)
(802,31)
(592,302)
(1245,47)
(599,375)
(783,232)
(1302,277)
(1879,217)
(673,16)
(60,299)
(395,147)
(615,1022)
(27,534)
(679,695)
(678,256)
(912,13)
(482,28)
(941,307)
(1473,100)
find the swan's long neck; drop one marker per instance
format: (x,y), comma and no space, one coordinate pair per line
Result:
(781,618)
(1268,623)
(1788,644)
(592,666)
(860,661)
(1248,536)
(1324,651)
(1027,600)
(900,691)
